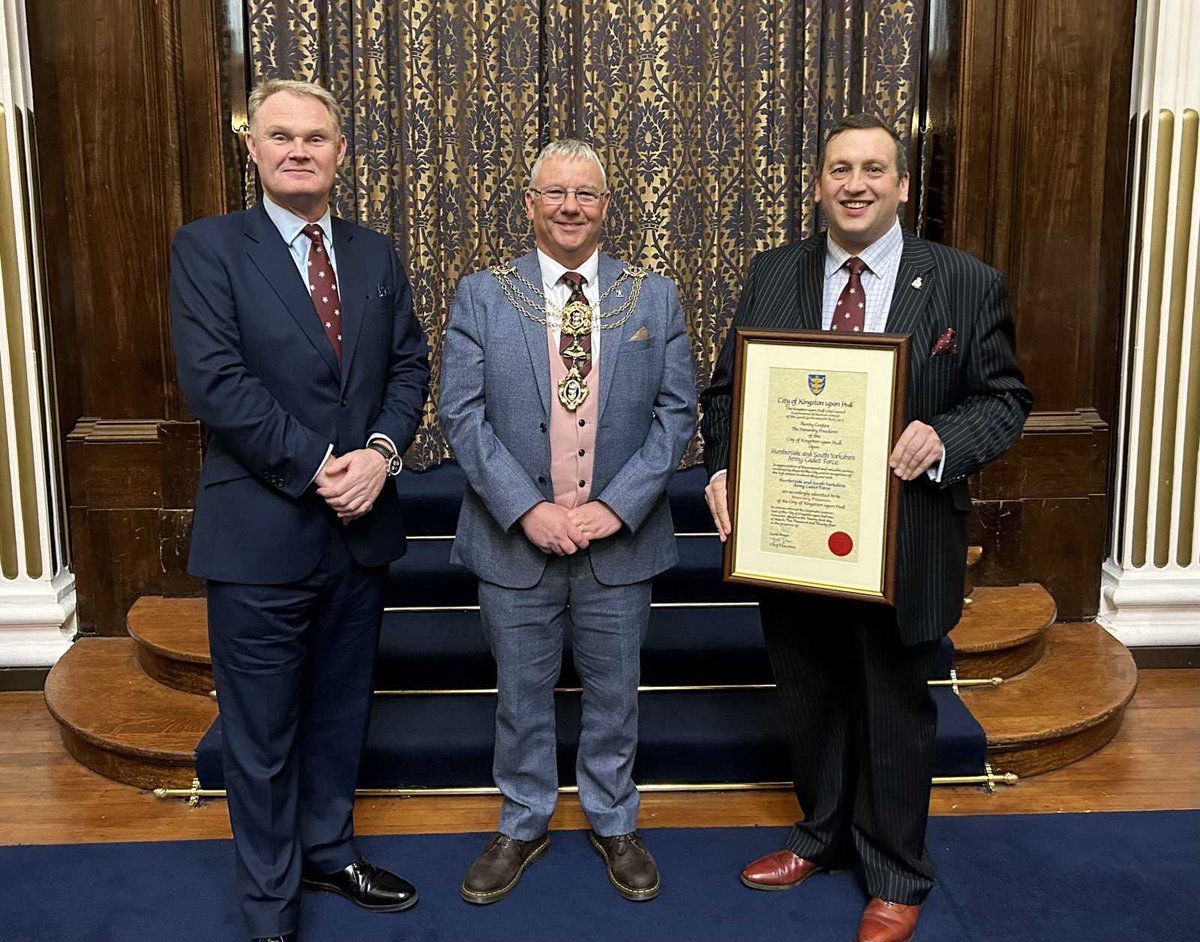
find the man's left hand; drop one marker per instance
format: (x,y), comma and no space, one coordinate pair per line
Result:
(353,481)
(918,450)
(595,519)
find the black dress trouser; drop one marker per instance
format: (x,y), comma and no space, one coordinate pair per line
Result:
(860,723)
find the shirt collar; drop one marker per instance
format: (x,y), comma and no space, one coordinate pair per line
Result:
(836,256)
(552,271)
(290,225)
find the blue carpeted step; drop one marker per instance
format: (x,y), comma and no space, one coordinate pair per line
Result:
(731,736)
(691,647)
(424,576)
(431,500)
(684,647)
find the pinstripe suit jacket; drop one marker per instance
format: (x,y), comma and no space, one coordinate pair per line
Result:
(975,398)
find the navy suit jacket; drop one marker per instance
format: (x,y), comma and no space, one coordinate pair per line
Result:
(975,398)
(256,368)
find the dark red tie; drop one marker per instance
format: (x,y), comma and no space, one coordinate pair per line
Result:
(576,281)
(851,310)
(322,285)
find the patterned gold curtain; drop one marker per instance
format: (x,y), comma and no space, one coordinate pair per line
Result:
(709,115)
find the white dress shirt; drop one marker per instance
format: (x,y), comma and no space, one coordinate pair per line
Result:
(291,229)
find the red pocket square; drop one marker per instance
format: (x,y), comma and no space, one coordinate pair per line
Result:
(945,344)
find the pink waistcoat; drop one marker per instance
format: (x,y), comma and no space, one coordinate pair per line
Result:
(572,434)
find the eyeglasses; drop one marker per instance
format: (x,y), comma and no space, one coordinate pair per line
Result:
(556,195)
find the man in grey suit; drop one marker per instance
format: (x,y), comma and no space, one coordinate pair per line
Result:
(568,397)
(852,675)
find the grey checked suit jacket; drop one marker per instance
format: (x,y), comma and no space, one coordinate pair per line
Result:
(975,398)
(494,410)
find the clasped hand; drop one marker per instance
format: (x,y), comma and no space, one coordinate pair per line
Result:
(555,529)
(350,483)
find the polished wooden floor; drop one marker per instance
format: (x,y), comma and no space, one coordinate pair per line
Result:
(48,798)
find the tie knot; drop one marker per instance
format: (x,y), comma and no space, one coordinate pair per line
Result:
(574,279)
(313,231)
(856,265)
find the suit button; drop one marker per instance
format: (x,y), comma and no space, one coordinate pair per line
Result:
(542,426)
(344,403)
(582,423)
(581,452)
(582,483)
(541,479)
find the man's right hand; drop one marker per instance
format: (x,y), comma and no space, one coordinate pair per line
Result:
(549,528)
(718,505)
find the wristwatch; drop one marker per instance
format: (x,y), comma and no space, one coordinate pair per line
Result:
(394,464)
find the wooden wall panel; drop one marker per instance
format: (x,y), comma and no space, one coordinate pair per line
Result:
(1027,140)
(134,139)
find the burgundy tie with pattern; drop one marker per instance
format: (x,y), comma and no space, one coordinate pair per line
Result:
(322,285)
(576,281)
(851,310)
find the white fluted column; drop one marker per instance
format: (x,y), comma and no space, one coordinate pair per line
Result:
(1150,593)
(37,588)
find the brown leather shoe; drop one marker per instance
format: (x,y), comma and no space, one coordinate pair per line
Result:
(888,922)
(781,870)
(496,871)
(631,869)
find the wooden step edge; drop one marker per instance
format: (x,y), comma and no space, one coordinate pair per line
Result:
(54,695)
(147,608)
(1043,737)
(126,769)
(1006,663)
(165,651)
(963,644)
(186,677)
(1030,759)
(976,699)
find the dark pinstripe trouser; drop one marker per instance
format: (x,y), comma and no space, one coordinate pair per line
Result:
(860,723)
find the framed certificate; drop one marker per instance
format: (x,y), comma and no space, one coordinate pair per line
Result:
(812,500)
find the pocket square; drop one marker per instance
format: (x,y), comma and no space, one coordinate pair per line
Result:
(945,345)
(640,334)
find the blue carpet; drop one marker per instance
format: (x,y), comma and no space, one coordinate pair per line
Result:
(1016,878)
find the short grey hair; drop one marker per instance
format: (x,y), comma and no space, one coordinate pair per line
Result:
(264,90)
(568,147)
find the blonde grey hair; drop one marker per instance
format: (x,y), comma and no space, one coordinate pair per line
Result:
(264,90)
(568,147)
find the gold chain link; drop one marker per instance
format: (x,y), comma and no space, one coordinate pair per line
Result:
(528,308)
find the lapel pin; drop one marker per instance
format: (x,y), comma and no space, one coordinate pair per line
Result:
(917,282)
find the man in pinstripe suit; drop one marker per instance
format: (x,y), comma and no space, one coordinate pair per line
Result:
(852,675)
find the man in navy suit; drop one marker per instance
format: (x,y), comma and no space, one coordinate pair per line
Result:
(297,348)
(852,675)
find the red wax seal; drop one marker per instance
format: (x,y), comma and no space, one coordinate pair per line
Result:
(840,543)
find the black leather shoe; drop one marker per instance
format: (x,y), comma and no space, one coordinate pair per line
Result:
(496,871)
(631,869)
(289,937)
(366,885)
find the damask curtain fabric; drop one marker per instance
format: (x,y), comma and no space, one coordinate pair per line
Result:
(708,114)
